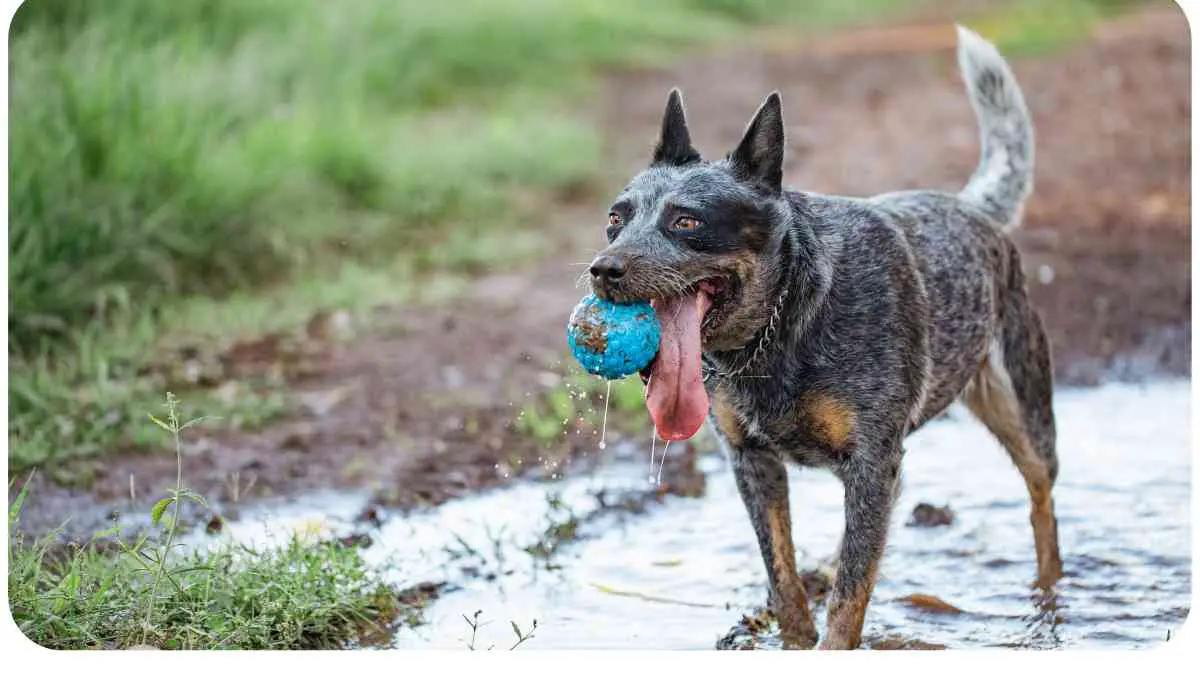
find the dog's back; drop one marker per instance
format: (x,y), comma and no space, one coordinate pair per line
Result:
(968,263)
(958,242)
(965,263)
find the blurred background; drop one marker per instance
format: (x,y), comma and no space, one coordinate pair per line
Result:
(349,233)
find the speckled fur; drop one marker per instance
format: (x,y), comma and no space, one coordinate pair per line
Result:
(897,306)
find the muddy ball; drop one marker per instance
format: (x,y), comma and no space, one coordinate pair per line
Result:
(613,340)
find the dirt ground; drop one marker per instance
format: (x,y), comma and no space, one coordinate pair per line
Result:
(419,408)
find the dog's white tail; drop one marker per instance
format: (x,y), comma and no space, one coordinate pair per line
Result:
(1004,177)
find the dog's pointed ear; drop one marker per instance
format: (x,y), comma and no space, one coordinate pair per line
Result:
(759,157)
(675,143)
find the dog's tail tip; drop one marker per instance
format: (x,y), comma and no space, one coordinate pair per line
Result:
(970,41)
(1004,177)
(977,57)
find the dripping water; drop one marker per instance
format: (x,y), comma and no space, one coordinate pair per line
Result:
(604,423)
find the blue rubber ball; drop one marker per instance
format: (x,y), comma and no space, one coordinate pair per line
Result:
(612,340)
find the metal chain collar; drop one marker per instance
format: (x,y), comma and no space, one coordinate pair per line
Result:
(763,342)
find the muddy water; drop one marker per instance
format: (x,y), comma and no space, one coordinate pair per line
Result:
(681,574)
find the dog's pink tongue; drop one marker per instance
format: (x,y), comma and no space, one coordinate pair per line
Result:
(676,396)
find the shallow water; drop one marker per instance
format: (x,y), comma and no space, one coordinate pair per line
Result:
(680,575)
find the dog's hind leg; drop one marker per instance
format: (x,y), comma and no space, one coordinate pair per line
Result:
(1012,397)
(762,483)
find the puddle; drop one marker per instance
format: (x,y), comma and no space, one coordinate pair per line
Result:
(681,574)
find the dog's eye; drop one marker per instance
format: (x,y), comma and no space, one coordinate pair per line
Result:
(614,227)
(686,223)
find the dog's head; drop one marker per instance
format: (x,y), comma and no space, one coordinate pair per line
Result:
(700,240)
(704,231)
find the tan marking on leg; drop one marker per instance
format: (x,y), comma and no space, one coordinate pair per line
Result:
(990,398)
(795,620)
(727,419)
(1045,525)
(843,628)
(831,419)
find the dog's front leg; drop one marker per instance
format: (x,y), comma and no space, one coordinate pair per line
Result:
(870,490)
(762,482)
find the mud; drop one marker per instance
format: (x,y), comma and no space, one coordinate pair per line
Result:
(928,515)
(416,407)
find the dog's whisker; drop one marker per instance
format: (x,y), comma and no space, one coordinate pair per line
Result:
(581,279)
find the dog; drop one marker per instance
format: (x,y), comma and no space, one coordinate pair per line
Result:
(822,330)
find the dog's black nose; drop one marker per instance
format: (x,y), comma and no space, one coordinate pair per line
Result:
(608,268)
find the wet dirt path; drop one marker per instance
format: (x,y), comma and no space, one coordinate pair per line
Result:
(679,576)
(602,562)
(418,410)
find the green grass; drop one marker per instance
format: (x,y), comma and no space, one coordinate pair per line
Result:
(304,595)
(167,148)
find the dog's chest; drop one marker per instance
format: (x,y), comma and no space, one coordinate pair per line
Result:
(811,427)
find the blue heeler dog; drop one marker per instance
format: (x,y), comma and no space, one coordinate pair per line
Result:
(823,330)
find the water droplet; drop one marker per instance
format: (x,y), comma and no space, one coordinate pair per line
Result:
(604,423)
(653,441)
(658,480)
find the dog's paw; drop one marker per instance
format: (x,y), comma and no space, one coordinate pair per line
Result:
(760,630)
(757,630)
